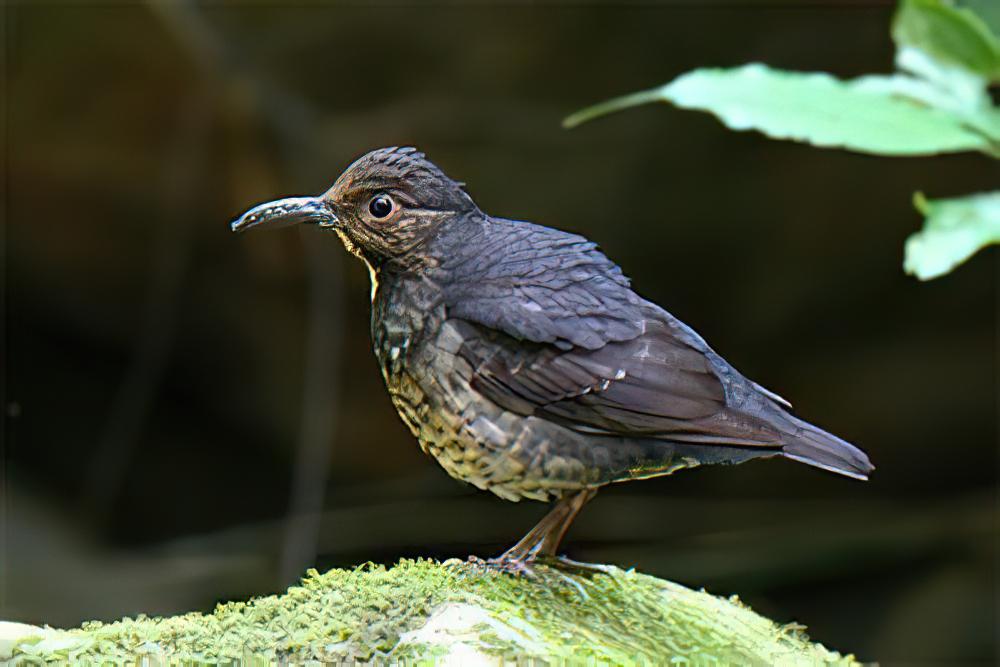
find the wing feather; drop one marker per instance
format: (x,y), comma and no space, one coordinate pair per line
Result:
(552,329)
(622,389)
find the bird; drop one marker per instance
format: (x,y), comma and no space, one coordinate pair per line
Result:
(522,360)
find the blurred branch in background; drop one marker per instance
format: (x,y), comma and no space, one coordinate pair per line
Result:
(319,404)
(292,122)
(7,410)
(184,170)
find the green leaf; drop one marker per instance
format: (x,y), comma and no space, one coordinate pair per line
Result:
(953,231)
(864,115)
(954,88)
(950,34)
(987,10)
(929,82)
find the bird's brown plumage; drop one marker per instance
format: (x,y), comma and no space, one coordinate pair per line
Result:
(522,359)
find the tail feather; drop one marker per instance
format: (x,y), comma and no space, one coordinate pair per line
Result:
(812,445)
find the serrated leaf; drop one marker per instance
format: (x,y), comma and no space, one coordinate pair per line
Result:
(816,108)
(950,34)
(954,230)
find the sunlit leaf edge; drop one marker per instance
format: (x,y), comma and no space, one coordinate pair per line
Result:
(941,131)
(954,230)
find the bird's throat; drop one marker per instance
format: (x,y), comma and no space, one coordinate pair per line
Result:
(356,250)
(373,274)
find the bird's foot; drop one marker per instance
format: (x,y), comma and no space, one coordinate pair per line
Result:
(506,564)
(525,565)
(574,566)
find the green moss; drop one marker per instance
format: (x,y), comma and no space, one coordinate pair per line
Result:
(419,610)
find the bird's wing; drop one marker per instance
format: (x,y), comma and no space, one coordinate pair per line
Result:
(552,329)
(542,285)
(653,386)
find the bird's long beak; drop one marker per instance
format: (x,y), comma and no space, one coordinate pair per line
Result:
(285,212)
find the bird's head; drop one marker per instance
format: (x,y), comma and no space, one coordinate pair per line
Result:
(385,206)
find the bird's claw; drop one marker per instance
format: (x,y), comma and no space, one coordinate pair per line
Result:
(505,564)
(575,566)
(525,566)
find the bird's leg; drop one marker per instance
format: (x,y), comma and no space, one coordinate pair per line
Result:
(518,559)
(543,540)
(554,537)
(548,550)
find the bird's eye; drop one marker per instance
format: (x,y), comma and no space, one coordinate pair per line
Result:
(380,206)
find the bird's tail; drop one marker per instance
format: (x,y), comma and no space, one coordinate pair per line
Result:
(812,445)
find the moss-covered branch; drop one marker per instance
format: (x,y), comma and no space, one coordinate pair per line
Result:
(424,610)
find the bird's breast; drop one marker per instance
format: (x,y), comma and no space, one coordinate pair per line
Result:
(403,315)
(471,437)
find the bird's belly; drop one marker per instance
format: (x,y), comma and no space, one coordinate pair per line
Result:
(475,440)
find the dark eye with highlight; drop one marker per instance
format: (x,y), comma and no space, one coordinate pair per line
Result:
(380,206)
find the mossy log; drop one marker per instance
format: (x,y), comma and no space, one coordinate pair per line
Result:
(422,611)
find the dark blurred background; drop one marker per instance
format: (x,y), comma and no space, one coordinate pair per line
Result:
(192,416)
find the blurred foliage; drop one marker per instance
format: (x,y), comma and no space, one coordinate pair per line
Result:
(938,102)
(453,612)
(952,35)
